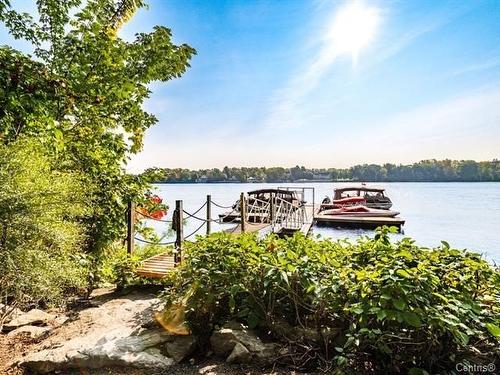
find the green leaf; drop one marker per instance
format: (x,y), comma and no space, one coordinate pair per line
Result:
(412,319)
(417,371)
(462,337)
(403,273)
(493,329)
(357,310)
(381,314)
(399,304)
(406,254)
(253,320)
(441,296)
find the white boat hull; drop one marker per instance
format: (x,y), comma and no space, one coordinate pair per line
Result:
(372,213)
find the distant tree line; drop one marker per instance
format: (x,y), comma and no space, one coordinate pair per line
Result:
(425,170)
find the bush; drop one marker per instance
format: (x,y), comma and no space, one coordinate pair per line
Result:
(372,306)
(40,237)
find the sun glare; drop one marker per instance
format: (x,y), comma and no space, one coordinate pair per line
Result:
(353,28)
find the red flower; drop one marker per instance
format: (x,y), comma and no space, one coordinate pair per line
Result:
(156,199)
(158,214)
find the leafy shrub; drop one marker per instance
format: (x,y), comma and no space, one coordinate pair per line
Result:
(40,235)
(371,306)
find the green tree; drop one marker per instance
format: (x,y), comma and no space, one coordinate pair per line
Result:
(82,94)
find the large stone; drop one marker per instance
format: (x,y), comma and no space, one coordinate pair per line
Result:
(33,318)
(8,312)
(181,347)
(33,332)
(240,354)
(225,340)
(119,347)
(111,334)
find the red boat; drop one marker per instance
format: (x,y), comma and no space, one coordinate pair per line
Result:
(359,210)
(343,202)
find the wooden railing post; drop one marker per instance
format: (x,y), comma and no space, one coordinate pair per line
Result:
(130,227)
(209,214)
(179,232)
(243,213)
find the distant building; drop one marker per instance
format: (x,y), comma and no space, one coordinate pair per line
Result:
(322,176)
(202,179)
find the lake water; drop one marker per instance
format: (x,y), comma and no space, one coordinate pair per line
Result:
(467,215)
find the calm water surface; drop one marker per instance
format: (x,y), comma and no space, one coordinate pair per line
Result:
(467,215)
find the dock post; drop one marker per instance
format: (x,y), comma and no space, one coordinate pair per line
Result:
(243,213)
(130,227)
(179,232)
(271,210)
(209,214)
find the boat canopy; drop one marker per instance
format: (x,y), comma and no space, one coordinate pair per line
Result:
(360,188)
(266,194)
(275,191)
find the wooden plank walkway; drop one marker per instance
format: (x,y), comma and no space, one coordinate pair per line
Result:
(157,266)
(311,212)
(249,227)
(358,222)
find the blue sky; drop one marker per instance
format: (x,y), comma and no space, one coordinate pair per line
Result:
(280,83)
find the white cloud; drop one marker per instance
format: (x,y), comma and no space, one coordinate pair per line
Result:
(464,127)
(477,67)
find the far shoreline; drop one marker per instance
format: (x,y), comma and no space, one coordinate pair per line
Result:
(309,182)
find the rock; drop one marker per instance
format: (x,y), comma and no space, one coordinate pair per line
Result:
(240,354)
(59,321)
(181,347)
(33,317)
(118,347)
(33,331)
(268,353)
(250,340)
(111,334)
(225,340)
(235,325)
(9,312)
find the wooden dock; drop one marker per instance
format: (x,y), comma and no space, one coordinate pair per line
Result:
(249,227)
(358,221)
(280,216)
(157,266)
(311,212)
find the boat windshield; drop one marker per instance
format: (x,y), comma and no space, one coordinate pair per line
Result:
(374,194)
(349,194)
(266,195)
(358,192)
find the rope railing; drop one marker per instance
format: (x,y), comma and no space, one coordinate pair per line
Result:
(221,206)
(195,231)
(199,209)
(194,216)
(153,242)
